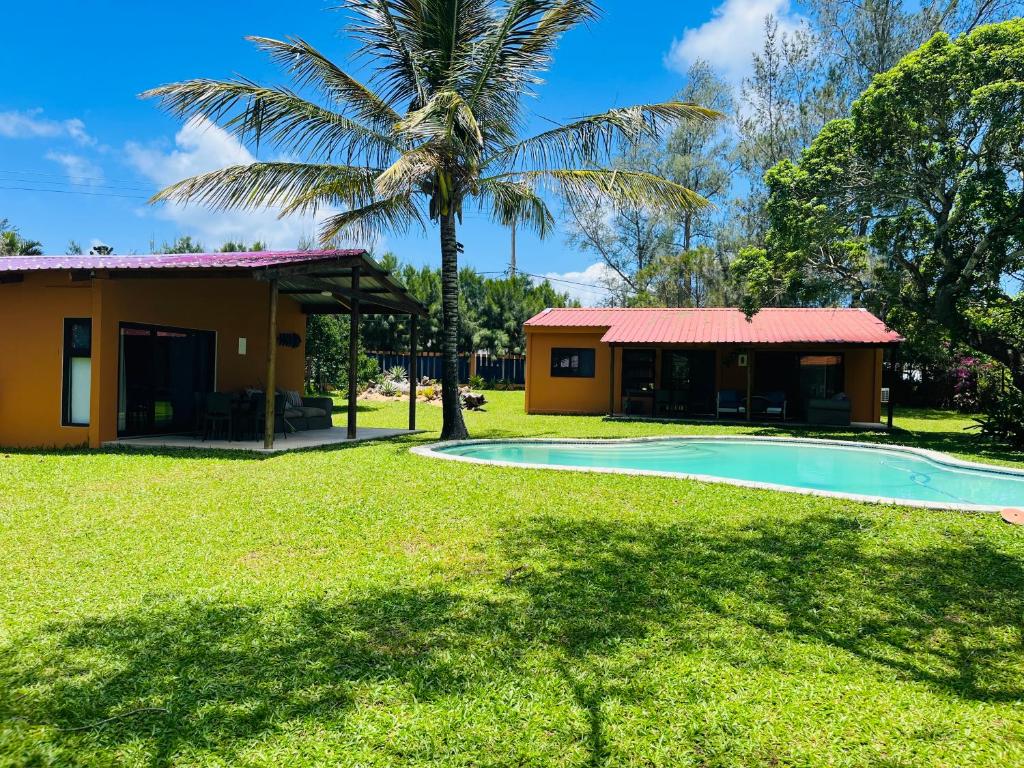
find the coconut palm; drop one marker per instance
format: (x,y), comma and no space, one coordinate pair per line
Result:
(435,127)
(13,244)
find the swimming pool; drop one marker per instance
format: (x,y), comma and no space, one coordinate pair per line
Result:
(851,470)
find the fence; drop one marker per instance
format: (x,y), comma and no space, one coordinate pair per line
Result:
(492,368)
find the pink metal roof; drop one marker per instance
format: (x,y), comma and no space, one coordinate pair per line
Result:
(244,260)
(723,326)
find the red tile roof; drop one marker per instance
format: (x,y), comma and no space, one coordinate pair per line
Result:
(244,260)
(723,326)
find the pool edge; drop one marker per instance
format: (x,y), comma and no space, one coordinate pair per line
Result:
(432,451)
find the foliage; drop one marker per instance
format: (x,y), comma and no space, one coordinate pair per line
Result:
(396,373)
(183,244)
(387,387)
(1003,420)
(913,205)
(477,382)
(469,615)
(491,311)
(327,355)
(436,127)
(13,244)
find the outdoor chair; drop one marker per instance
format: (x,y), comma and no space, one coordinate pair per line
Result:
(771,404)
(731,403)
(217,415)
(281,425)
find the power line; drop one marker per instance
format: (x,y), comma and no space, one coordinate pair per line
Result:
(62,177)
(75,192)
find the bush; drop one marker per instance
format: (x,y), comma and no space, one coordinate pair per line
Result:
(396,373)
(388,388)
(428,392)
(1003,420)
(476,381)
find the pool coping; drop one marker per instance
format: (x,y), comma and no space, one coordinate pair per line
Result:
(432,451)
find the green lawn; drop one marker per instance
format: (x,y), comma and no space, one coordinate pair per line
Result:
(364,606)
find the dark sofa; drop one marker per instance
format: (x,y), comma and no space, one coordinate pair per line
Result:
(314,413)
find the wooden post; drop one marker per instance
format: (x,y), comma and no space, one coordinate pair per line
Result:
(413,372)
(353,357)
(893,353)
(750,381)
(271,386)
(611,384)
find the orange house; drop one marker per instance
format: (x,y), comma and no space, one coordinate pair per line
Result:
(94,348)
(818,365)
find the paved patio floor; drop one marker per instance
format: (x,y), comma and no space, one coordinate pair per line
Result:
(296,441)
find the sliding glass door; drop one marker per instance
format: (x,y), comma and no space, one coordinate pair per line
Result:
(164,375)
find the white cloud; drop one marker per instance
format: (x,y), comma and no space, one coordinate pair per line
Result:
(31,125)
(590,286)
(80,170)
(201,146)
(730,37)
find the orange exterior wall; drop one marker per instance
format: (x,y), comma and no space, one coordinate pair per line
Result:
(31,337)
(548,394)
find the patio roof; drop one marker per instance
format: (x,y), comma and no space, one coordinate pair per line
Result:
(724,326)
(321,282)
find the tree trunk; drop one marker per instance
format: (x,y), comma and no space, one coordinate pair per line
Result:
(453,427)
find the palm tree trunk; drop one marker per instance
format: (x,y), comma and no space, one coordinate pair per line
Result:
(453,427)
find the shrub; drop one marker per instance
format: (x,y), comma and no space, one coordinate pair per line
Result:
(476,381)
(396,373)
(1003,420)
(429,392)
(388,388)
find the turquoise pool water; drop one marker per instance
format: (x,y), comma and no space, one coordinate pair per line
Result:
(838,468)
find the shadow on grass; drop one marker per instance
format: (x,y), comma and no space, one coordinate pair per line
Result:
(581,596)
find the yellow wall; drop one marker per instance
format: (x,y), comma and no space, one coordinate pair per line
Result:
(548,394)
(32,321)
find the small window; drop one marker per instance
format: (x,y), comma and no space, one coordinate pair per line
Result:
(572,363)
(77,371)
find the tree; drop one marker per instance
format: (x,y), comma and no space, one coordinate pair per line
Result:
(183,244)
(100,249)
(13,244)
(240,247)
(435,128)
(914,204)
(74,248)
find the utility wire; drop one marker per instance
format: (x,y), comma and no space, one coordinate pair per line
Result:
(75,192)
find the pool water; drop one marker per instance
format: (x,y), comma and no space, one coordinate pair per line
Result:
(852,469)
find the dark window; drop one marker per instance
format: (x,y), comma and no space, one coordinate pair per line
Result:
(77,371)
(637,370)
(821,376)
(574,363)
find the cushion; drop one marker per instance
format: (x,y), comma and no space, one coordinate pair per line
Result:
(292,399)
(293,413)
(309,412)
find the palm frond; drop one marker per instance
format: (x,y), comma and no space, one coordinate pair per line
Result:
(409,173)
(515,202)
(387,31)
(271,185)
(440,117)
(394,214)
(592,139)
(308,67)
(587,187)
(286,120)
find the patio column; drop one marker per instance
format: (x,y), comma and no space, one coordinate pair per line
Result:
(413,372)
(611,383)
(271,386)
(893,355)
(353,356)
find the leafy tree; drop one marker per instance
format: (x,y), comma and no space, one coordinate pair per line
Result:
(913,205)
(74,248)
(183,244)
(13,244)
(436,127)
(101,249)
(240,247)
(327,354)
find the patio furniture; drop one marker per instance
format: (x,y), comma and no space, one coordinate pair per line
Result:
(770,404)
(281,425)
(217,415)
(834,412)
(731,403)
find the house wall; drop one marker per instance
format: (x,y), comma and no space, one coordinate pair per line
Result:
(547,394)
(31,356)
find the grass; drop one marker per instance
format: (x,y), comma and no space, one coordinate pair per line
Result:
(364,606)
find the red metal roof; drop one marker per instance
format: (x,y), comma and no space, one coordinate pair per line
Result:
(245,260)
(723,326)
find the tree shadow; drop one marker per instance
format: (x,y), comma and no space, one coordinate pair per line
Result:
(596,603)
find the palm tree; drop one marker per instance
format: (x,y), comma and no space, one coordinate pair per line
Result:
(13,244)
(435,126)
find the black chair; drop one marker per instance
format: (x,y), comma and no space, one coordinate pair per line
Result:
(217,415)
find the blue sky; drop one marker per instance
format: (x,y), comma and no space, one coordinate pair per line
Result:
(71,122)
